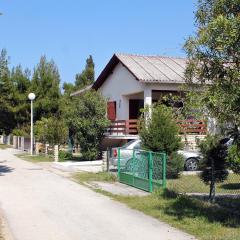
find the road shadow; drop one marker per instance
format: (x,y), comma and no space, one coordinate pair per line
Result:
(188,207)
(5,169)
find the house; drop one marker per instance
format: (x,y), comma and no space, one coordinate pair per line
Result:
(130,82)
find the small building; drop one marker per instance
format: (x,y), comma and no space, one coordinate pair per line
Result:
(130,82)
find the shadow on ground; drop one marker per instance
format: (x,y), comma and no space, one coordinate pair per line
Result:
(231,186)
(187,207)
(5,169)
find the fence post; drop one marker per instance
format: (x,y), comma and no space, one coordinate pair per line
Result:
(118,164)
(104,161)
(1,139)
(46,149)
(150,166)
(134,166)
(56,153)
(164,168)
(108,158)
(8,140)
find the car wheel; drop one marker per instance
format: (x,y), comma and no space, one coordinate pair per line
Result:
(191,164)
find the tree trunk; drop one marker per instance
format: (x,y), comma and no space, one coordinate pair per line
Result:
(212,184)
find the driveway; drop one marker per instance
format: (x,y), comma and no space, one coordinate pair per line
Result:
(39,204)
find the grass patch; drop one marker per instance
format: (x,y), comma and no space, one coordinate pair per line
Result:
(35,158)
(89,177)
(193,184)
(4,146)
(201,219)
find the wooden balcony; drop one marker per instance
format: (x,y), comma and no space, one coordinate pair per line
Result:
(123,127)
(120,128)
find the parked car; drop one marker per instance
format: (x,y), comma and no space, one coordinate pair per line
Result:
(191,158)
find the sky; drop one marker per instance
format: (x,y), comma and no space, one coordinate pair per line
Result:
(68,31)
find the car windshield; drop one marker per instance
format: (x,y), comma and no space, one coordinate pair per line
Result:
(128,144)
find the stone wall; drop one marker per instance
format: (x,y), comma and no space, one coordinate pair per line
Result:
(191,141)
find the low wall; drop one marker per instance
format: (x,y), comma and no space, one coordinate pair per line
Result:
(191,141)
(5,139)
(21,143)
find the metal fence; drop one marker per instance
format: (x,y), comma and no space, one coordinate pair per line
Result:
(191,184)
(145,170)
(227,191)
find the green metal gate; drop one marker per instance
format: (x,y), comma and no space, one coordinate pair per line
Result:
(142,169)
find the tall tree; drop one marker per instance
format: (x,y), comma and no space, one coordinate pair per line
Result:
(21,81)
(46,85)
(87,76)
(214,63)
(214,58)
(7,121)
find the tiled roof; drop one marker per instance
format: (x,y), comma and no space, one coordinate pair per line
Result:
(154,68)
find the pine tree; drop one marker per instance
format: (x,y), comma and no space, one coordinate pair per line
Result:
(87,76)
(7,121)
(21,82)
(46,86)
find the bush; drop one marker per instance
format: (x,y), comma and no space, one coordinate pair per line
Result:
(159,133)
(63,155)
(233,159)
(52,130)
(87,120)
(175,165)
(214,162)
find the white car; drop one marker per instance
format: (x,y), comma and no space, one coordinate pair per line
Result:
(191,158)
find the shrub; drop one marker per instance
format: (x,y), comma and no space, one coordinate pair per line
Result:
(87,121)
(63,155)
(52,130)
(214,162)
(175,165)
(159,133)
(233,158)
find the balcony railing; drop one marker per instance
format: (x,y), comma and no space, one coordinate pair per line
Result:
(123,127)
(129,127)
(192,126)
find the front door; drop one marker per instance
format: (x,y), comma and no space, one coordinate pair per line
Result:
(134,108)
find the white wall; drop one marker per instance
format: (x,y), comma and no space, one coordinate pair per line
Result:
(118,86)
(121,86)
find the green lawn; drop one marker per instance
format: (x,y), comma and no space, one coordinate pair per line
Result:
(88,177)
(36,158)
(201,219)
(193,184)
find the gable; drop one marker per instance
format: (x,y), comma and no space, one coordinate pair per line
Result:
(120,81)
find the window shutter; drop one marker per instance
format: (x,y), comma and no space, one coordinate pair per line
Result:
(111,110)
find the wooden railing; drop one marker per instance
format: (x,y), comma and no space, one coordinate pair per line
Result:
(123,127)
(129,127)
(192,126)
